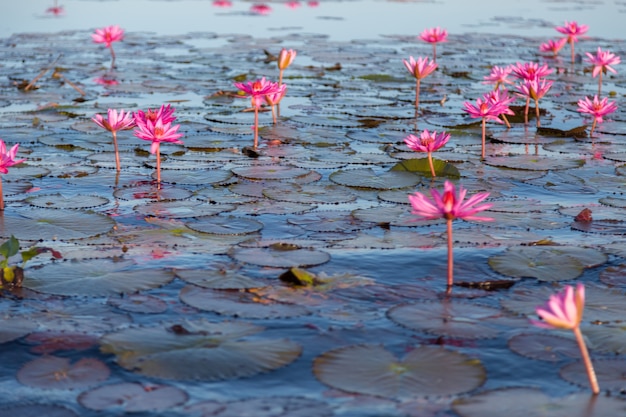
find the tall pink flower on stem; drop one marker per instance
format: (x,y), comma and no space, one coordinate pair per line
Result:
(564,310)
(156,126)
(7,160)
(572,30)
(427,142)
(602,62)
(419,69)
(285,58)
(499,76)
(107,36)
(434,36)
(535,90)
(596,108)
(486,109)
(553,47)
(257,90)
(114,123)
(449,205)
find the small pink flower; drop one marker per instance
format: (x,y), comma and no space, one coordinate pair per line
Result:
(108,35)
(420,68)
(434,35)
(157,133)
(147,120)
(498,76)
(572,30)
(293,4)
(564,310)
(313,3)
(596,108)
(602,62)
(7,158)
(222,3)
(276,96)
(115,121)
(427,141)
(261,9)
(257,90)
(285,58)
(535,89)
(530,70)
(484,109)
(553,47)
(106,81)
(55,10)
(449,205)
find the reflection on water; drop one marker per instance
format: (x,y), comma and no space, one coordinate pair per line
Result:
(340,20)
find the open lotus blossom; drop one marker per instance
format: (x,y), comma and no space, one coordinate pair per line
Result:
(107,36)
(449,205)
(114,123)
(572,30)
(486,109)
(564,310)
(499,76)
(535,90)
(434,36)
(597,109)
(427,142)
(530,70)
(602,62)
(156,126)
(553,47)
(7,160)
(257,90)
(421,68)
(502,100)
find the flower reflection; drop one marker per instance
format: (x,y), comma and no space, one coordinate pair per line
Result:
(106,80)
(261,8)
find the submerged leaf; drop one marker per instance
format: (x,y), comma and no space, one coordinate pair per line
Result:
(52,372)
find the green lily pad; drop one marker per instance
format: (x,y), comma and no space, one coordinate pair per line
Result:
(546,263)
(421,166)
(423,371)
(199,350)
(368,178)
(98,277)
(182,209)
(533,162)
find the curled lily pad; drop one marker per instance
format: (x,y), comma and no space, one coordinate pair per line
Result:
(423,371)
(546,263)
(452,319)
(544,347)
(98,277)
(132,397)
(531,402)
(48,224)
(280,257)
(53,372)
(199,350)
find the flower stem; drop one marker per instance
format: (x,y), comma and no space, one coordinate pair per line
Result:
(256,126)
(158,156)
(593,126)
(593,382)
(430,162)
(484,134)
(526,110)
(434,52)
(417,94)
(112,58)
(450,255)
(600,84)
(1,196)
(117,154)
(573,54)
(537,113)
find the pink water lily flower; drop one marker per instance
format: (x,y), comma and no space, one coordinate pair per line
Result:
(107,36)
(530,70)
(222,3)
(285,58)
(602,62)
(499,76)
(449,205)
(114,123)
(273,99)
(156,126)
(597,109)
(553,47)
(427,142)
(564,310)
(257,90)
(486,109)
(434,36)
(7,160)
(572,30)
(535,90)
(421,68)
(261,8)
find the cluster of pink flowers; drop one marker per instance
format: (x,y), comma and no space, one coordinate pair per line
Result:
(572,31)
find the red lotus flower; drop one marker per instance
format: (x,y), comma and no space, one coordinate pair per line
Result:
(257,90)
(487,108)
(596,108)
(602,62)
(419,69)
(434,36)
(498,76)
(427,142)
(107,36)
(534,89)
(572,30)
(553,47)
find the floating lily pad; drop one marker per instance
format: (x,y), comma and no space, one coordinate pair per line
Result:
(225,225)
(238,303)
(546,263)
(50,224)
(422,167)
(182,209)
(544,347)
(607,337)
(217,278)
(195,176)
(457,320)
(152,192)
(368,178)
(423,371)
(12,328)
(533,162)
(50,342)
(60,201)
(139,303)
(280,258)
(53,372)
(310,194)
(35,410)
(264,407)
(132,397)
(611,374)
(98,277)
(199,350)
(270,172)
(329,221)
(531,402)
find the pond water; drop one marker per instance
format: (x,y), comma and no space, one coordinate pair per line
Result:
(177,299)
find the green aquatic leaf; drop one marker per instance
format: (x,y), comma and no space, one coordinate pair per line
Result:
(421,166)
